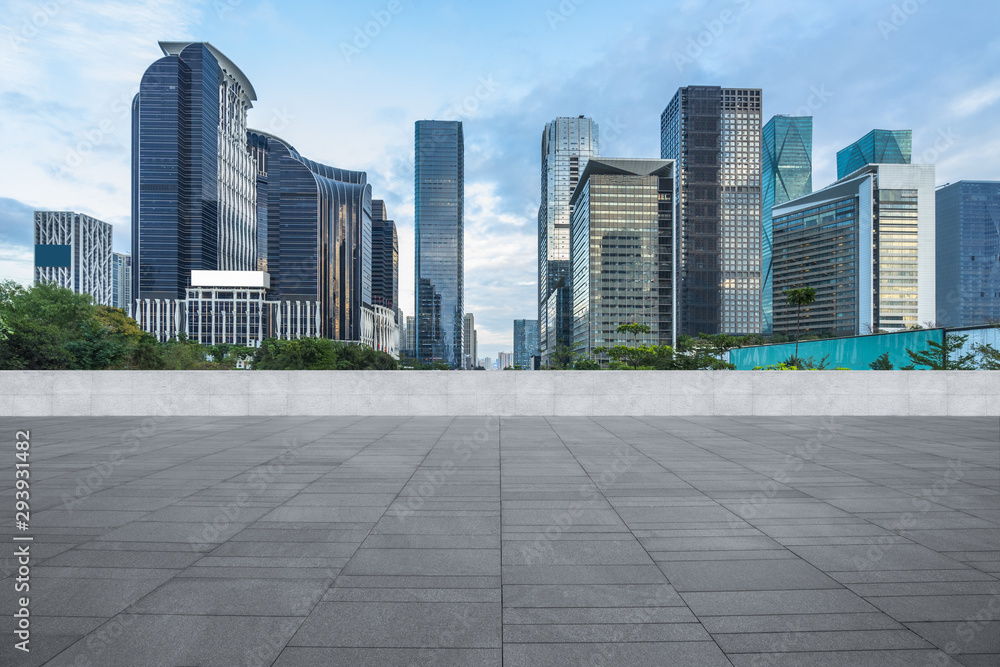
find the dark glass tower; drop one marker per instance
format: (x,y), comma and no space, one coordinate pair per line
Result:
(319,222)
(876,147)
(714,135)
(193,194)
(385,258)
(786,174)
(439,184)
(968,253)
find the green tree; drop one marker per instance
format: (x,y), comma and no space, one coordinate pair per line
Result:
(799,297)
(564,356)
(988,357)
(940,355)
(882,363)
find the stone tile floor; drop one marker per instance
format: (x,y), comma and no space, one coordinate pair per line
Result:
(521,541)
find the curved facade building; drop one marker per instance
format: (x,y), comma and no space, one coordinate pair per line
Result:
(318,235)
(193,190)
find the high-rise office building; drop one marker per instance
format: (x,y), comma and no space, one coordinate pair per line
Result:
(193,179)
(385,258)
(439,184)
(622,252)
(319,252)
(525,343)
(786,174)
(410,343)
(505,360)
(867,245)
(73,250)
(876,147)
(714,135)
(968,253)
(469,342)
(121,281)
(567,145)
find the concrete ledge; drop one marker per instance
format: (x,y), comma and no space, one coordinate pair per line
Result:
(510,393)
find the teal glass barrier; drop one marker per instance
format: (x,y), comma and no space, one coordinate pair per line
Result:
(853,353)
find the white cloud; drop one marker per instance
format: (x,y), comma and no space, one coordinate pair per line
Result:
(977,100)
(17,263)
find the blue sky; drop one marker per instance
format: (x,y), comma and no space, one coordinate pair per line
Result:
(70,68)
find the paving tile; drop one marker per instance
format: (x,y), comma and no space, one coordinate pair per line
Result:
(745,575)
(401,624)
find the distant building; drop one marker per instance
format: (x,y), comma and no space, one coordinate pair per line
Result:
(411,336)
(714,134)
(786,174)
(968,253)
(525,343)
(469,341)
(867,245)
(567,145)
(876,147)
(385,258)
(439,184)
(622,253)
(74,251)
(121,281)
(505,360)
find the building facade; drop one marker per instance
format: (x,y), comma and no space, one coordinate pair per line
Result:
(385,258)
(876,147)
(525,343)
(439,184)
(867,245)
(193,179)
(786,174)
(567,146)
(469,342)
(505,360)
(968,253)
(227,307)
(714,134)
(73,250)
(121,281)
(622,254)
(319,236)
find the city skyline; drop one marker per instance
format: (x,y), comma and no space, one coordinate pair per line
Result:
(74,147)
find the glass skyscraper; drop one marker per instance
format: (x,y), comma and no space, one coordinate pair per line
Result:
(193,189)
(567,146)
(867,245)
(968,253)
(876,147)
(385,258)
(319,238)
(439,188)
(622,252)
(525,343)
(714,134)
(786,174)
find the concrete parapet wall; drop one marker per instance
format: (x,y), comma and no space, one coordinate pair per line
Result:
(514,393)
